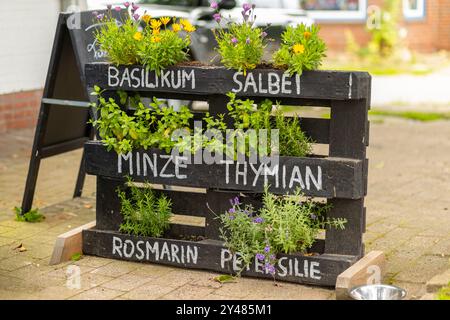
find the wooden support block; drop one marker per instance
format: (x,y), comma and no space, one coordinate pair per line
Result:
(69,243)
(368,270)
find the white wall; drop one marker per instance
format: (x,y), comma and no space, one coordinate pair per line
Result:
(27,29)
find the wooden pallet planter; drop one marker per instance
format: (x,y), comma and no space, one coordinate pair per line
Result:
(341,177)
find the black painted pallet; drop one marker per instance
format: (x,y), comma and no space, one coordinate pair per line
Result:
(212,255)
(341,177)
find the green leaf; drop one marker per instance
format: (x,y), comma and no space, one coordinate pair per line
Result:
(76,256)
(225,278)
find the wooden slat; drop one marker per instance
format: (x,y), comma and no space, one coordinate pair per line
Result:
(348,129)
(327,177)
(322,269)
(67,103)
(200,81)
(62,147)
(184,231)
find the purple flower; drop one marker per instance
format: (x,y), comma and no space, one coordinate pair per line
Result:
(267,249)
(270,268)
(136,16)
(260,256)
(134,7)
(258,220)
(272,257)
(247,41)
(245,16)
(126,4)
(313,216)
(232,210)
(237,201)
(100,16)
(246,7)
(109,6)
(95,13)
(214,5)
(217,17)
(264,34)
(117,8)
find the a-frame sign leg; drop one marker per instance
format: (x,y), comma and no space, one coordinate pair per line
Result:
(35,160)
(80,178)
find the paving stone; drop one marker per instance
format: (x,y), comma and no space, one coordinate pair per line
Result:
(117,268)
(148,291)
(94,262)
(188,292)
(126,282)
(4,229)
(423,269)
(441,248)
(152,270)
(178,277)
(429,296)
(414,290)
(439,281)
(6,241)
(416,247)
(64,271)
(97,293)
(59,292)
(15,262)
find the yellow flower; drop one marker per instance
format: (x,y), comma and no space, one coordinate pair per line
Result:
(155,24)
(298,48)
(138,36)
(307,34)
(185,22)
(155,31)
(146,18)
(176,27)
(189,28)
(165,20)
(156,39)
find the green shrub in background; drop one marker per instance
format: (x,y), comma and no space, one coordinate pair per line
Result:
(301,49)
(384,33)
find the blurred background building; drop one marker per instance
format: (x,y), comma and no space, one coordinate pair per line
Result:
(425,23)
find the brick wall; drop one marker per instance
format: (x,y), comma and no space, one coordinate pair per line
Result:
(424,35)
(444,25)
(19,110)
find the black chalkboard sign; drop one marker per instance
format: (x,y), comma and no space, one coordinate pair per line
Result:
(62,124)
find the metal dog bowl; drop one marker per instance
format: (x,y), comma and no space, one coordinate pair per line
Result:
(378,292)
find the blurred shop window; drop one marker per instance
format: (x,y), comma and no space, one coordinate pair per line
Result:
(414,9)
(335,10)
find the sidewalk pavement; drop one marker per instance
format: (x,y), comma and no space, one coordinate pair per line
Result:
(408,217)
(429,92)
